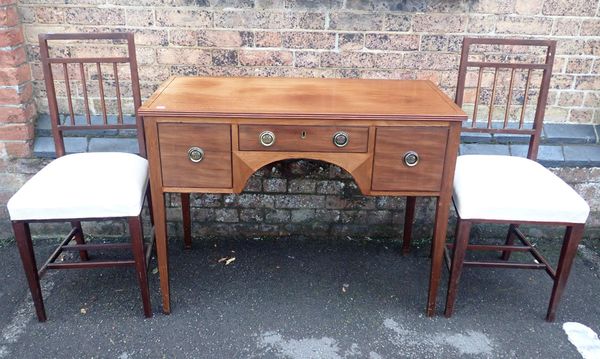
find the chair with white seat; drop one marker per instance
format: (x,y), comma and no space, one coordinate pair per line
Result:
(86,186)
(504,76)
(504,189)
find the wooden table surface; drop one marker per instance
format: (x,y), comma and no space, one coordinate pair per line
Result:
(302,98)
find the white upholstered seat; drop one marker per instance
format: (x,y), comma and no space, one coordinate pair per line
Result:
(514,188)
(84,185)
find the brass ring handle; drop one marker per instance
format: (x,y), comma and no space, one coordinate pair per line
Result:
(341,139)
(267,138)
(195,154)
(411,158)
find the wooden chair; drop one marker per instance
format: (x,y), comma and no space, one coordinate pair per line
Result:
(505,189)
(86,186)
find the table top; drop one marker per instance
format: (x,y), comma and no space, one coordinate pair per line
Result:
(303,98)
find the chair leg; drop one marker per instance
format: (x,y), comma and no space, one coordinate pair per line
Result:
(83,255)
(187,220)
(510,240)
(463,230)
(150,211)
(25,245)
(139,256)
(409,218)
(568,251)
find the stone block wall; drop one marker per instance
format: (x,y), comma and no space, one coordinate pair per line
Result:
(403,39)
(415,39)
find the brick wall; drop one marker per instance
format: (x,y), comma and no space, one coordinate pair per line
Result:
(403,39)
(17,109)
(334,38)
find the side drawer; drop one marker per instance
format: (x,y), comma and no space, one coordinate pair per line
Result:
(303,138)
(178,169)
(391,173)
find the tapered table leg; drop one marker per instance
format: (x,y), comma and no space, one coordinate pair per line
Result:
(437,255)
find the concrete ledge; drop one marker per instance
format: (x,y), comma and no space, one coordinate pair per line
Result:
(562,145)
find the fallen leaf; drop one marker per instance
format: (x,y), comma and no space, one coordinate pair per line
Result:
(155,270)
(229,261)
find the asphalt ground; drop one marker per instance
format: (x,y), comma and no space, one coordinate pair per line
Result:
(293,298)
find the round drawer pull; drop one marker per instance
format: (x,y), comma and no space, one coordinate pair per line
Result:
(195,154)
(411,158)
(267,138)
(341,139)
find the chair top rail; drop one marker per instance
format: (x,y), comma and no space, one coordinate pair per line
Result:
(85,60)
(87,36)
(506,41)
(502,65)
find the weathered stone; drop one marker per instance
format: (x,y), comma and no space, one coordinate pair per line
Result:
(300,201)
(568,8)
(302,186)
(445,23)
(252,215)
(351,21)
(277,216)
(303,215)
(392,42)
(229,215)
(275,185)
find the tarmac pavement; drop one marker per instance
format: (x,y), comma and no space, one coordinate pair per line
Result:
(292,298)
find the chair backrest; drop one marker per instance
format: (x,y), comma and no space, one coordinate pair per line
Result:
(506,80)
(101,88)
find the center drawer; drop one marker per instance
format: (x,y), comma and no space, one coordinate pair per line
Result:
(303,138)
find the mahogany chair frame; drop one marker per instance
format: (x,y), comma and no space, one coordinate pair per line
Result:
(141,252)
(573,232)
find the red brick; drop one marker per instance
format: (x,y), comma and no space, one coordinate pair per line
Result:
(9,96)
(17,131)
(17,114)
(11,37)
(13,57)
(9,16)
(15,96)
(15,75)
(18,149)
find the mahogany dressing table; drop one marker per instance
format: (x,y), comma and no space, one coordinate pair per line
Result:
(209,135)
